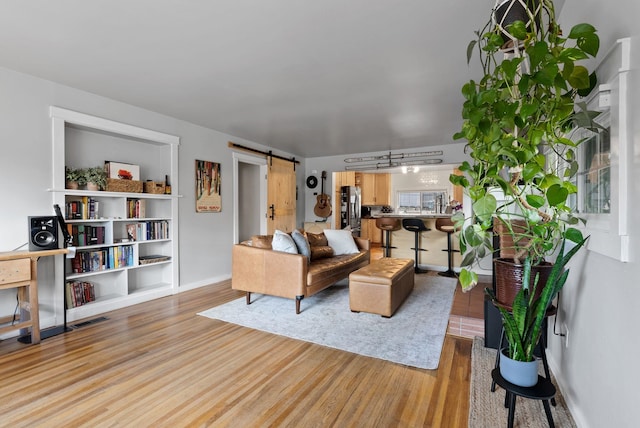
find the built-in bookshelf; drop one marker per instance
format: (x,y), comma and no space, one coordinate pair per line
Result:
(125,243)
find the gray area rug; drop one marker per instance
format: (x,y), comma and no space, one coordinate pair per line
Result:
(413,336)
(486,408)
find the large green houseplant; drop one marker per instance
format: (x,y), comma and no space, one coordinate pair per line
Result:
(517,117)
(520,111)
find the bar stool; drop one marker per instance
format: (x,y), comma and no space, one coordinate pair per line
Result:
(388,224)
(416,226)
(446,225)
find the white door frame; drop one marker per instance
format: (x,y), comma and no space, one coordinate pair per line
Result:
(254,160)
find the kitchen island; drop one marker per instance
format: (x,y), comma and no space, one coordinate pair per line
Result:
(434,241)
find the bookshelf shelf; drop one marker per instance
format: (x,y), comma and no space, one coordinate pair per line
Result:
(113,230)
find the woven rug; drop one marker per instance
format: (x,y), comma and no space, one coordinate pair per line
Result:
(413,336)
(486,408)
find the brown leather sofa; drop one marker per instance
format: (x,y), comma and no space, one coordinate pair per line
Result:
(264,271)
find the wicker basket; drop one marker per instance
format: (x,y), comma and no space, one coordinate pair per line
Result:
(117,185)
(157,187)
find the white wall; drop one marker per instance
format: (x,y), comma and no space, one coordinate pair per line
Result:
(598,369)
(25,174)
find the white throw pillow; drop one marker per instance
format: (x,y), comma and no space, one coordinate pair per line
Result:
(341,241)
(283,242)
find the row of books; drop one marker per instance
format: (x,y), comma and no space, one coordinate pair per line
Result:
(85,208)
(79,293)
(136,208)
(84,234)
(102,259)
(144,231)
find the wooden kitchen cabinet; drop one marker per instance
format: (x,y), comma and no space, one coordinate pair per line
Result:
(370,231)
(375,189)
(383,188)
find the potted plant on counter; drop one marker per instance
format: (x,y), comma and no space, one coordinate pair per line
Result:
(522,109)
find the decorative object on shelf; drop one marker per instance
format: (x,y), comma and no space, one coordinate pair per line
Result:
(122,171)
(74,177)
(393,160)
(157,187)
(96,178)
(167,186)
(123,177)
(130,186)
(522,108)
(145,260)
(208,186)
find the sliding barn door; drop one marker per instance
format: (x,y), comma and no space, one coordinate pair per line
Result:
(281,195)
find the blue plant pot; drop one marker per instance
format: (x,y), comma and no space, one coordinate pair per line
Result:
(519,372)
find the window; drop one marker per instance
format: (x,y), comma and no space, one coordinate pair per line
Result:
(604,156)
(422,202)
(595,177)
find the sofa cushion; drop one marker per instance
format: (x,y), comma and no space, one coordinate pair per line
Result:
(283,242)
(336,267)
(261,241)
(321,252)
(317,239)
(341,241)
(301,242)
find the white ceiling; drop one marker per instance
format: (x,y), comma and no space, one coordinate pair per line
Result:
(314,79)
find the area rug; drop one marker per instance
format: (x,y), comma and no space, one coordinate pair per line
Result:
(486,408)
(413,336)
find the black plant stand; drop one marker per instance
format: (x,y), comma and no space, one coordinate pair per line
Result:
(543,390)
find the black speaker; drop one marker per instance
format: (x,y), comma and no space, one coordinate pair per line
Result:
(43,233)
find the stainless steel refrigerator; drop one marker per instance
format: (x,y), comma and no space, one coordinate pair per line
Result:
(350,208)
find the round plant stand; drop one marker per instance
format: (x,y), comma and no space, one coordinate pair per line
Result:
(543,390)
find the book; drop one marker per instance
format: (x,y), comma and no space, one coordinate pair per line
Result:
(132,231)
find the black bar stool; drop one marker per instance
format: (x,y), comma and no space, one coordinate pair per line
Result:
(388,224)
(416,226)
(446,225)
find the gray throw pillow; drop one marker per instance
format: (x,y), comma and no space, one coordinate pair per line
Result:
(301,243)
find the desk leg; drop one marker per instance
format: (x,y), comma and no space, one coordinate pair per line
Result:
(34,310)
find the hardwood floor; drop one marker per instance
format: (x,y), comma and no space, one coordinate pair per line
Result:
(159,364)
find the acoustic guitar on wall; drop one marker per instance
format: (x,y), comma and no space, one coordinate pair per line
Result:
(323,201)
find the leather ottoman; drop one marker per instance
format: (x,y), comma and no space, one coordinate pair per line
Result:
(381,287)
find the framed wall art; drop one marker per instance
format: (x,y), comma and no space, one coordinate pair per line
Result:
(208,197)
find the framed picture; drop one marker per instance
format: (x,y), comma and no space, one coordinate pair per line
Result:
(122,171)
(208,197)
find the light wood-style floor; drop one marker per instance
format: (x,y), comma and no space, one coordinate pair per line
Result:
(159,364)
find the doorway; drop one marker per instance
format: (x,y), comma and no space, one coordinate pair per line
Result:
(249,196)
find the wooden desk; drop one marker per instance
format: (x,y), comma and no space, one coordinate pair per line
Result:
(18,269)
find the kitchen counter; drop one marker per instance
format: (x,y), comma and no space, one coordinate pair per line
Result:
(433,241)
(410,215)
